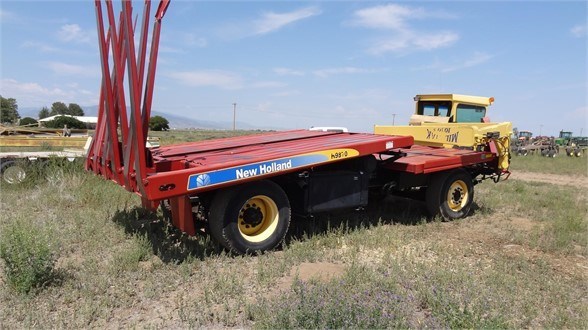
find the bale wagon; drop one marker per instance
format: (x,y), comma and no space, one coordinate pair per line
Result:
(245,191)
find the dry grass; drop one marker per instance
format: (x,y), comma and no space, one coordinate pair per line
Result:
(519,261)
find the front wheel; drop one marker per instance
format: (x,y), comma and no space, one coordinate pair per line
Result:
(450,194)
(251,218)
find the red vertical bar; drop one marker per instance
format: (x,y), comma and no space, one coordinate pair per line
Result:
(182,217)
(137,139)
(113,160)
(150,83)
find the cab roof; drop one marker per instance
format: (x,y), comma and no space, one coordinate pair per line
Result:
(477,100)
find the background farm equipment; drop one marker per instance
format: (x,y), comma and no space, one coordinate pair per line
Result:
(574,146)
(525,144)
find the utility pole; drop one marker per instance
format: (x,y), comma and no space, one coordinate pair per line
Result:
(540,130)
(234,116)
(393,118)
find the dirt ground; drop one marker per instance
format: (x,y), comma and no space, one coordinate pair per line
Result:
(565,180)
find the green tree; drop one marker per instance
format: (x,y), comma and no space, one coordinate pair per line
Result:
(44,113)
(60,121)
(8,110)
(75,110)
(58,108)
(27,121)
(158,123)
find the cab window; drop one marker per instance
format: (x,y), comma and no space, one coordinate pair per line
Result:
(438,109)
(470,113)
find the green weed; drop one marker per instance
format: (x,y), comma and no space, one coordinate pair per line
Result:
(29,254)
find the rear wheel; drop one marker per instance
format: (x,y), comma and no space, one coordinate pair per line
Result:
(450,195)
(250,219)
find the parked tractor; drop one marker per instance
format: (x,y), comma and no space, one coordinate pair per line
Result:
(574,146)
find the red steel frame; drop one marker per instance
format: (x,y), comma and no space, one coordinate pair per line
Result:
(118,150)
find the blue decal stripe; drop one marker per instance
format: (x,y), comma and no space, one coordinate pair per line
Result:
(196,181)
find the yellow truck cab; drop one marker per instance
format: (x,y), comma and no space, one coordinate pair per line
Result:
(450,108)
(454,121)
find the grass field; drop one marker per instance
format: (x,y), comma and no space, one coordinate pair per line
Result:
(520,260)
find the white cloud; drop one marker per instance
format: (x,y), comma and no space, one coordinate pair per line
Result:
(274,21)
(323,73)
(45,48)
(73,33)
(394,19)
(435,40)
(390,16)
(578,31)
(31,94)
(74,70)
(211,78)
(476,59)
(288,72)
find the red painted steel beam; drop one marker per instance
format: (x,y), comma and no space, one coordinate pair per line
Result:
(289,155)
(118,150)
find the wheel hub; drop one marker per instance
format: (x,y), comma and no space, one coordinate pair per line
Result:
(251,216)
(457,195)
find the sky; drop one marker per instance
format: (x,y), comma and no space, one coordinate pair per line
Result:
(296,64)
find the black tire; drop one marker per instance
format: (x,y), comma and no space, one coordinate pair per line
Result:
(12,172)
(450,195)
(251,218)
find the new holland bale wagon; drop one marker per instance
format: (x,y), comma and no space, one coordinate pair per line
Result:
(244,191)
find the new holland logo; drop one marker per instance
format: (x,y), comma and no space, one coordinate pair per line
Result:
(202,180)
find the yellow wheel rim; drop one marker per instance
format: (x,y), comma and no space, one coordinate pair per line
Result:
(457,195)
(258,218)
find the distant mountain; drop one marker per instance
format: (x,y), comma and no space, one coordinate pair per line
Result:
(175,121)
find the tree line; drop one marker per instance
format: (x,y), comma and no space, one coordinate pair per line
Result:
(9,110)
(9,115)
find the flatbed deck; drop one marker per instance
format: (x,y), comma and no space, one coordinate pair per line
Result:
(423,160)
(202,166)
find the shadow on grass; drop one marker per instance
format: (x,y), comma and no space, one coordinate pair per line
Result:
(167,242)
(173,246)
(391,210)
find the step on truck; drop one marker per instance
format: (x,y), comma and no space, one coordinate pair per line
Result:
(245,191)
